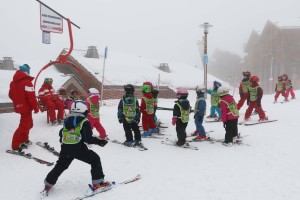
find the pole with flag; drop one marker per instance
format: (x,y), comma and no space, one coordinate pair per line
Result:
(102,85)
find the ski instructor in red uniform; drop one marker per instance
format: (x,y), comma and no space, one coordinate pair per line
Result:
(22,93)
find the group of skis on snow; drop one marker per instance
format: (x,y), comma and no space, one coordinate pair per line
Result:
(84,115)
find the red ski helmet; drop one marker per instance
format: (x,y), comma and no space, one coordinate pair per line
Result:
(285,76)
(246,74)
(254,79)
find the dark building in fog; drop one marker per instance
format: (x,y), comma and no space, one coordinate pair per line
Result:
(273,52)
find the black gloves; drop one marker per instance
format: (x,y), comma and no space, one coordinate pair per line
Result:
(241,95)
(224,124)
(200,118)
(120,120)
(102,143)
(259,103)
(136,121)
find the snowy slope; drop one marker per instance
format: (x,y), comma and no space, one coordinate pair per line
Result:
(268,169)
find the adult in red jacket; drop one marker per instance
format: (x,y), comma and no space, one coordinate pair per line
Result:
(255,95)
(22,93)
(147,109)
(52,101)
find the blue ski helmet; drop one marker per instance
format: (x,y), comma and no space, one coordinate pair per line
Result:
(25,68)
(217,84)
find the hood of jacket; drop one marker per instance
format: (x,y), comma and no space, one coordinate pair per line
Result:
(94,98)
(73,121)
(20,75)
(184,103)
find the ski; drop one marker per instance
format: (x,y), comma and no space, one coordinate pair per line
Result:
(255,123)
(113,184)
(193,134)
(29,156)
(46,146)
(212,121)
(154,136)
(207,139)
(173,143)
(140,146)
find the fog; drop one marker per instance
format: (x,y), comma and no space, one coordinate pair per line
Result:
(161,29)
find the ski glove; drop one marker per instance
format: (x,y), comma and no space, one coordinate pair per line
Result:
(36,110)
(102,143)
(136,120)
(224,124)
(174,120)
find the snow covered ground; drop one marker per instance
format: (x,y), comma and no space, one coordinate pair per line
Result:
(268,169)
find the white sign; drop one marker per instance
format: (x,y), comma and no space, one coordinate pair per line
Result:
(46,37)
(50,21)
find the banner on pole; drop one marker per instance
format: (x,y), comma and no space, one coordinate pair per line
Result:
(50,21)
(105,53)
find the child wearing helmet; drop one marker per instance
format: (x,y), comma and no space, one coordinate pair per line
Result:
(199,113)
(129,115)
(51,100)
(230,115)
(288,87)
(181,112)
(93,105)
(280,88)
(147,109)
(255,95)
(214,100)
(74,135)
(243,89)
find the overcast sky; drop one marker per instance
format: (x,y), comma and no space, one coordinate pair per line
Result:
(161,29)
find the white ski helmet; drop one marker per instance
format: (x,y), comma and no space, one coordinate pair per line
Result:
(93,91)
(200,89)
(223,90)
(78,107)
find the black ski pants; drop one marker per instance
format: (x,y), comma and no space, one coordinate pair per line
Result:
(181,133)
(231,130)
(128,128)
(65,159)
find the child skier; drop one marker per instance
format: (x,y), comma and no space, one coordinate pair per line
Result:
(215,101)
(129,114)
(199,113)
(181,112)
(288,87)
(147,109)
(230,115)
(280,89)
(73,136)
(255,95)
(243,89)
(92,103)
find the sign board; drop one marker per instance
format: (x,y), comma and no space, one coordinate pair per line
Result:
(50,21)
(46,37)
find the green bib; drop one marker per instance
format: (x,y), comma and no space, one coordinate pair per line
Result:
(72,136)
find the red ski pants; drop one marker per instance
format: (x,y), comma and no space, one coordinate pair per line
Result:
(242,101)
(52,105)
(287,93)
(259,110)
(148,121)
(22,133)
(95,122)
(278,93)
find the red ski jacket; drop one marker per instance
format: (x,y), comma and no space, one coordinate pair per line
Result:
(22,93)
